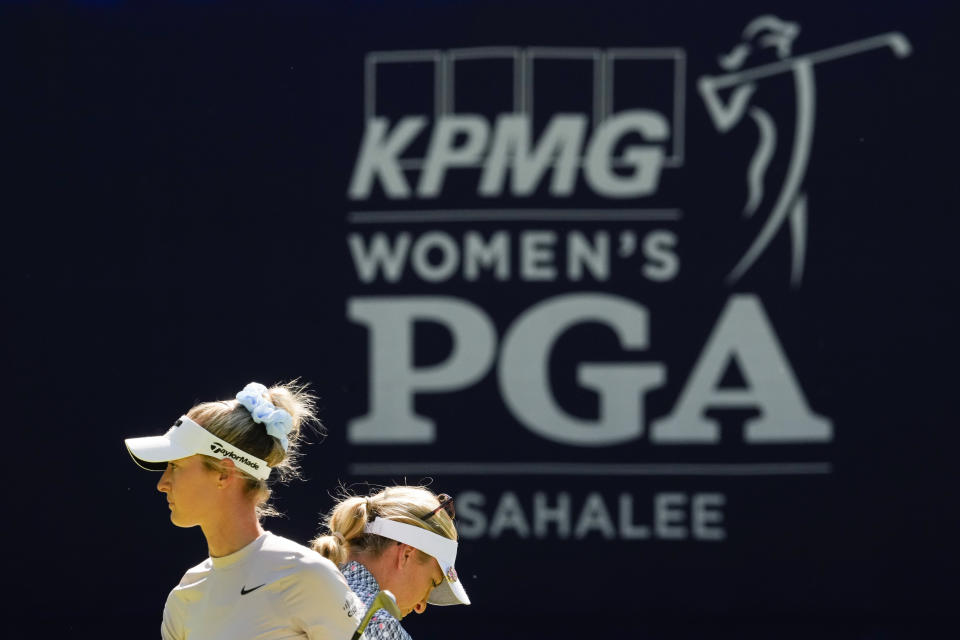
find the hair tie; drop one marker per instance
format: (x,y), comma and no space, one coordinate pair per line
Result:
(278,422)
(339,537)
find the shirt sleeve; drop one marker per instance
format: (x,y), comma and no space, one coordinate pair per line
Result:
(322,604)
(172,626)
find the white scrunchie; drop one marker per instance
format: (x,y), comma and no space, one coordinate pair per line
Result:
(277,421)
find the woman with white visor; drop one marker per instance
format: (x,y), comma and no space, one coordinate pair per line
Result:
(401,539)
(216,461)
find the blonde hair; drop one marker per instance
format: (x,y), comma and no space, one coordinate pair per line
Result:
(406,504)
(230,420)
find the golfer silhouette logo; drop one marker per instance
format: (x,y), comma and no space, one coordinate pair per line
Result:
(761,35)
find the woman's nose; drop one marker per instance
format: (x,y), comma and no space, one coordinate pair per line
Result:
(164,484)
(421,606)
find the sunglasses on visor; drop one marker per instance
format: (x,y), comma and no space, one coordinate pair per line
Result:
(446,503)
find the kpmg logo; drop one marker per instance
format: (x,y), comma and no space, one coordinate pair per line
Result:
(220,449)
(619,149)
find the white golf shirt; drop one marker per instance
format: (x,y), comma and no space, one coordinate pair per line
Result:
(271,589)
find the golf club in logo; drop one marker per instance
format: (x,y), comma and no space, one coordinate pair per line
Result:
(790,204)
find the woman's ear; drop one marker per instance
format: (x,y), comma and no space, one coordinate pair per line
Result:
(227,471)
(404,555)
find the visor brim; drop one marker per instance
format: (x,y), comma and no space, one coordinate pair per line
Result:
(154,452)
(450,592)
(149,466)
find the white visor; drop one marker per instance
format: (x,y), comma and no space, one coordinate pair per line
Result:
(186,438)
(451,590)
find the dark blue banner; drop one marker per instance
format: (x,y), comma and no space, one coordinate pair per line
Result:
(662,294)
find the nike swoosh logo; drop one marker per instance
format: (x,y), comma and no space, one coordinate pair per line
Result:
(244,591)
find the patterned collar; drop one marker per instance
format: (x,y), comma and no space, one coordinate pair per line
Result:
(383,626)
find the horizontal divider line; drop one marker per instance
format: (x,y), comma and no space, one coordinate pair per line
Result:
(593,469)
(514,215)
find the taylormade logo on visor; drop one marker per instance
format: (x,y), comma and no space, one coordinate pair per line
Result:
(217,448)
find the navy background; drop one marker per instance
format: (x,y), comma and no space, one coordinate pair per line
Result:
(175,178)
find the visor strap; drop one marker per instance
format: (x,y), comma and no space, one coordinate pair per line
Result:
(197,439)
